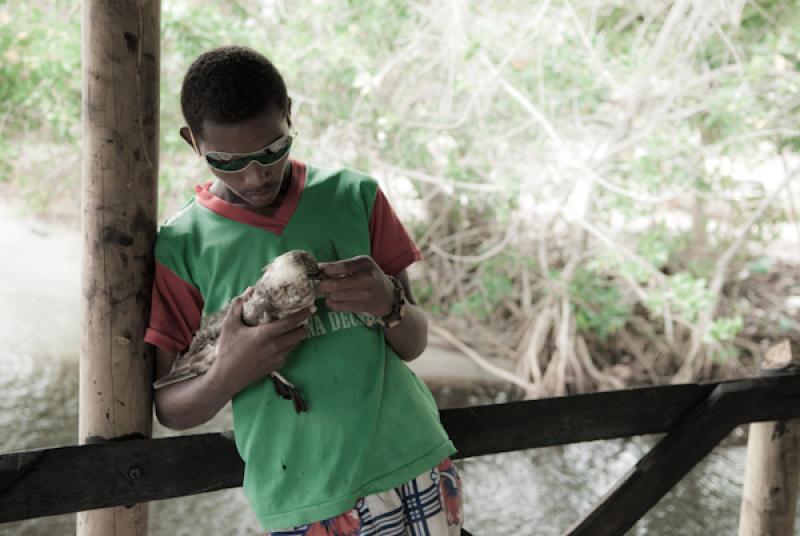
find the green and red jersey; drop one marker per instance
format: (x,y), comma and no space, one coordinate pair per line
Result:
(372,424)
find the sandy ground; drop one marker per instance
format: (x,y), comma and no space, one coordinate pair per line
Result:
(40,298)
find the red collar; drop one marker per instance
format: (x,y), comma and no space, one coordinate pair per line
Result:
(238,213)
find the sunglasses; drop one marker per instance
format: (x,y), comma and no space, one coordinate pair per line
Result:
(235,162)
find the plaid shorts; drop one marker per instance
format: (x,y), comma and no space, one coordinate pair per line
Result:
(429,505)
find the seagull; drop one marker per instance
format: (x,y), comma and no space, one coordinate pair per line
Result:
(287,285)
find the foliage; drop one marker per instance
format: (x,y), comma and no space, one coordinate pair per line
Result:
(622,158)
(599,307)
(39,89)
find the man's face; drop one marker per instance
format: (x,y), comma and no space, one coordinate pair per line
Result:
(257,186)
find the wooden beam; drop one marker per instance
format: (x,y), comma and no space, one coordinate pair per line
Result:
(120,109)
(482,430)
(553,421)
(116,473)
(703,427)
(69,479)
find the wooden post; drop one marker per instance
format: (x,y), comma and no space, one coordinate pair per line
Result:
(120,70)
(769,497)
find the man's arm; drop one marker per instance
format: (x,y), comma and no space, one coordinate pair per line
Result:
(358,285)
(244,354)
(188,403)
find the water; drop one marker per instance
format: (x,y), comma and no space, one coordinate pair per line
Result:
(533,492)
(528,493)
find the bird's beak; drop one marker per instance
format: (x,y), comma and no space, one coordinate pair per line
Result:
(316,274)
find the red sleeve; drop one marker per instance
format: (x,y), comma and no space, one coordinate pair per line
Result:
(392,248)
(175,311)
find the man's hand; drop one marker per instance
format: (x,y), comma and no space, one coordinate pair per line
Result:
(357,285)
(246,354)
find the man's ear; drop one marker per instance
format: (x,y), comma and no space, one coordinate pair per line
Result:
(186,134)
(289,113)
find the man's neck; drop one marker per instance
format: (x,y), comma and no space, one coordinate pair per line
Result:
(221,191)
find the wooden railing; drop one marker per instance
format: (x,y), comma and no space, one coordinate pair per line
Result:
(694,417)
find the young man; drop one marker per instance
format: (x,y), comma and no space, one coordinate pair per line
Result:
(370,456)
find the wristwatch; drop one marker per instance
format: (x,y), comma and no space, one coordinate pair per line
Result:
(398,306)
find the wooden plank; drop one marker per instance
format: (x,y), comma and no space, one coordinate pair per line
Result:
(117,473)
(490,429)
(69,479)
(679,451)
(482,430)
(660,469)
(14,467)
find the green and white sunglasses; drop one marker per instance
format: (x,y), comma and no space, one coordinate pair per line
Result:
(236,162)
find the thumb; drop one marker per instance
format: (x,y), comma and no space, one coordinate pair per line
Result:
(234,314)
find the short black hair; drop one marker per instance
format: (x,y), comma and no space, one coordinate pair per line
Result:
(229,85)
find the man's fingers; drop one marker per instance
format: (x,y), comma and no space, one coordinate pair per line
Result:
(290,339)
(281,346)
(282,358)
(328,286)
(284,325)
(348,295)
(334,269)
(350,306)
(347,266)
